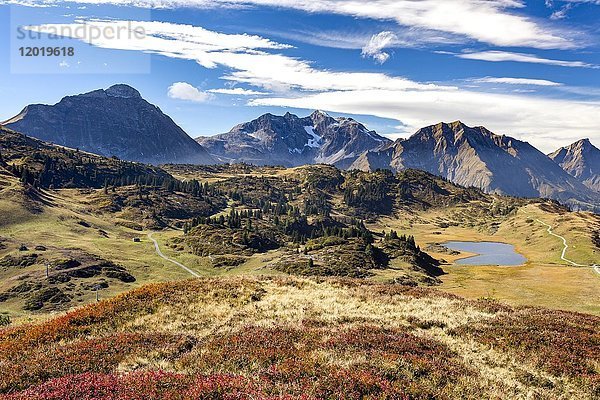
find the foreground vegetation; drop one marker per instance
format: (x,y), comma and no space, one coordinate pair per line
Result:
(248,338)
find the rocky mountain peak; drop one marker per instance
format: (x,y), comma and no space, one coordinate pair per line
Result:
(319,114)
(123,90)
(581,160)
(474,156)
(584,145)
(290,140)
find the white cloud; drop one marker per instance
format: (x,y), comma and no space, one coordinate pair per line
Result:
(172,40)
(500,56)
(546,122)
(517,81)
(185,91)
(488,21)
(352,40)
(374,48)
(562,13)
(238,92)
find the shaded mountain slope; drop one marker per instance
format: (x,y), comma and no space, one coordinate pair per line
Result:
(45,165)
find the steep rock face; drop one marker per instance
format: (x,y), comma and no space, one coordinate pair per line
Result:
(112,122)
(582,160)
(291,141)
(477,157)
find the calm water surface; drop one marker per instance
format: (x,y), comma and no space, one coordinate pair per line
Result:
(488,253)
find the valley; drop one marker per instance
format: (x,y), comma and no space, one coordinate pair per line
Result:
(124,280)
(300,200)
(100,224)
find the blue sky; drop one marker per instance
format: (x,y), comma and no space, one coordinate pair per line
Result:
(528,69)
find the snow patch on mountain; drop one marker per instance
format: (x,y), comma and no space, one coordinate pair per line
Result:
(315,141)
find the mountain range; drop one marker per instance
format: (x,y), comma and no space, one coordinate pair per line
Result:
(119,122)
(292,141)
(112,122)
(477,157)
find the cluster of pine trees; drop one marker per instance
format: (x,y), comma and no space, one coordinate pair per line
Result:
(232,220)
(369,194)
(408,239)
(316,203)
(50,171)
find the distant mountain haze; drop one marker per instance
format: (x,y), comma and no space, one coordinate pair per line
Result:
(112,122)
(292,141)
(582,160)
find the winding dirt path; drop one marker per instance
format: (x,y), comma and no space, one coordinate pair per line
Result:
(563,257)
(160,254)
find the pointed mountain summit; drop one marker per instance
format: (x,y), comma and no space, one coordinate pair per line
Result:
(582,160)
(477,157)
(112,122)
(291,141)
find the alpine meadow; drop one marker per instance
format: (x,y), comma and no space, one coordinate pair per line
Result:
(328,199)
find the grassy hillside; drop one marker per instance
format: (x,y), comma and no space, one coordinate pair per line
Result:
(76,216)
(263,338)
(44,165)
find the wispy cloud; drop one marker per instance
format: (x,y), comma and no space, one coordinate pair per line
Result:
(244,55)
(562,12)
(238,92)
(517,81)
(501,56)
(492,22)
(567,6)
(185,91)
(374,48)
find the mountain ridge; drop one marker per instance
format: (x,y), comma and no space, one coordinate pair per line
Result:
(118,122)
(475,156)
(292,141)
